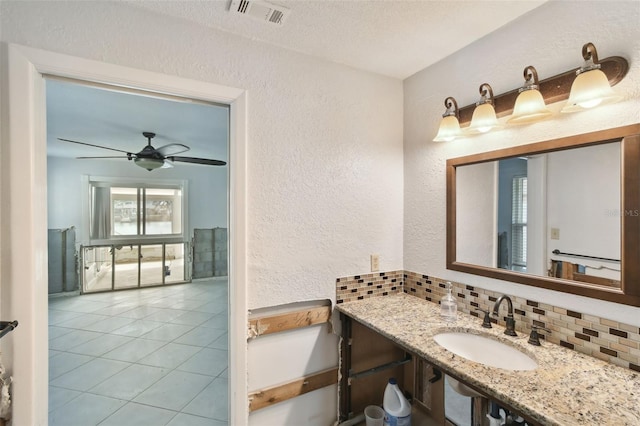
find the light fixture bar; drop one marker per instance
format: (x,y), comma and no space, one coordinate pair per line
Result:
(553,89)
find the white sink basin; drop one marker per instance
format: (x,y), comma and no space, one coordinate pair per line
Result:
(485,351)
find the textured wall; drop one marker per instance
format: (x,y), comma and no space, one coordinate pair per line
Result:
(325,141)
(550,38)
(324,155)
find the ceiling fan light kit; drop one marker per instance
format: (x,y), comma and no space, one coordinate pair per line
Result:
(148,163)
(151,158)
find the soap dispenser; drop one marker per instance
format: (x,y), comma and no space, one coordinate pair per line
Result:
(448,305)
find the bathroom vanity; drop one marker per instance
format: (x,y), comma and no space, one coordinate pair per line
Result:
(393,336)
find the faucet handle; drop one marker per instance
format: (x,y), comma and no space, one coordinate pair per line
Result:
(486,321)
(534,337)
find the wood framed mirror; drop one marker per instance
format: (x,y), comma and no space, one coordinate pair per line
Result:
(563,214)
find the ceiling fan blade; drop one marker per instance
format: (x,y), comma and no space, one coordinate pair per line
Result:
(172,149)
(166,165)
(95,146)
(194,160)
(91,158)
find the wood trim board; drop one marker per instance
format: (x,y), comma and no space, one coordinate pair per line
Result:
(275,394)
(289,321)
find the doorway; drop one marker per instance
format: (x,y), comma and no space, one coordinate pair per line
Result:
(134,226)
(24,269)
(118,358)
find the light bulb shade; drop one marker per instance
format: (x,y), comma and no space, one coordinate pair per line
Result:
(449,129)
(529,107)
(483,119)
(148,163)
(590,89)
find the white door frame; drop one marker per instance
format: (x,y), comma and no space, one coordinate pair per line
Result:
(23,214)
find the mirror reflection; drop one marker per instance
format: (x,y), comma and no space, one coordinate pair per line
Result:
(555,214)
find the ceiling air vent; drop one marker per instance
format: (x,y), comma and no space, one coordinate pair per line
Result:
(261,10)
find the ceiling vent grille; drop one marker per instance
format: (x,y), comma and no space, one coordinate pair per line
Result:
(260,10)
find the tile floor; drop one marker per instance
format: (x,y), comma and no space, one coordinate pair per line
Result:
(147,357)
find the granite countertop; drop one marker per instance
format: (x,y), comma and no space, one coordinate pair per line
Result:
(568,388)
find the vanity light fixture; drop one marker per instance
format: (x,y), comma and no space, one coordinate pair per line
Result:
(530,106)
(591,86)
(449,126)
(484,116)
(553,89)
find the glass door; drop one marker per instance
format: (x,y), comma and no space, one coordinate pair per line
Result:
(126,266)
(117,267)
(174,263)
(151,264)
(97,271)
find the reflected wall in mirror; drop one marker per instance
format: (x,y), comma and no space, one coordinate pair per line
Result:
(514,213)
(561,214)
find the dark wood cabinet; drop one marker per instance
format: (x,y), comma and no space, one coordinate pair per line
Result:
(368,360)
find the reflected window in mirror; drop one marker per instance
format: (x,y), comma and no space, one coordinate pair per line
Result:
(512,214)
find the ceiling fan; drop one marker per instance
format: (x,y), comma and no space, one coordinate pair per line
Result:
(151,158)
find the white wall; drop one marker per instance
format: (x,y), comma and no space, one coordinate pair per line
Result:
(325,140)
(476,212)
(325,183)
(551,39)
(287,356)
(537,214)
(584,205)
(207,194)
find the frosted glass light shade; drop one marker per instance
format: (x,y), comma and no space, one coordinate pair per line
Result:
(483,119)
(148,163)
(449,129)
(590,89)
(529,107)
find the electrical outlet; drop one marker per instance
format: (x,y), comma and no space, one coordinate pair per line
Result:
(375,263)
(555,233)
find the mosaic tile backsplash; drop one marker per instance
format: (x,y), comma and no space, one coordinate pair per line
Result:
(359,287)
(611,341)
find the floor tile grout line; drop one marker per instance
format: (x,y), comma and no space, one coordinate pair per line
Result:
(170,371)
(112,414)
(213,378)
(210,313)
(70,349)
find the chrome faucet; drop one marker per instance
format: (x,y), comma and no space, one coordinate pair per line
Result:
(511,322)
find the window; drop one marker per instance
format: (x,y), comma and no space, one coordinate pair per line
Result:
(119,210)
(519,223)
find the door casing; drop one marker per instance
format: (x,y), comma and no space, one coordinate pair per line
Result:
(23,214)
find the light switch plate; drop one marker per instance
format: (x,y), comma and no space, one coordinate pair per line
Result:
(555,233)
(375,263)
